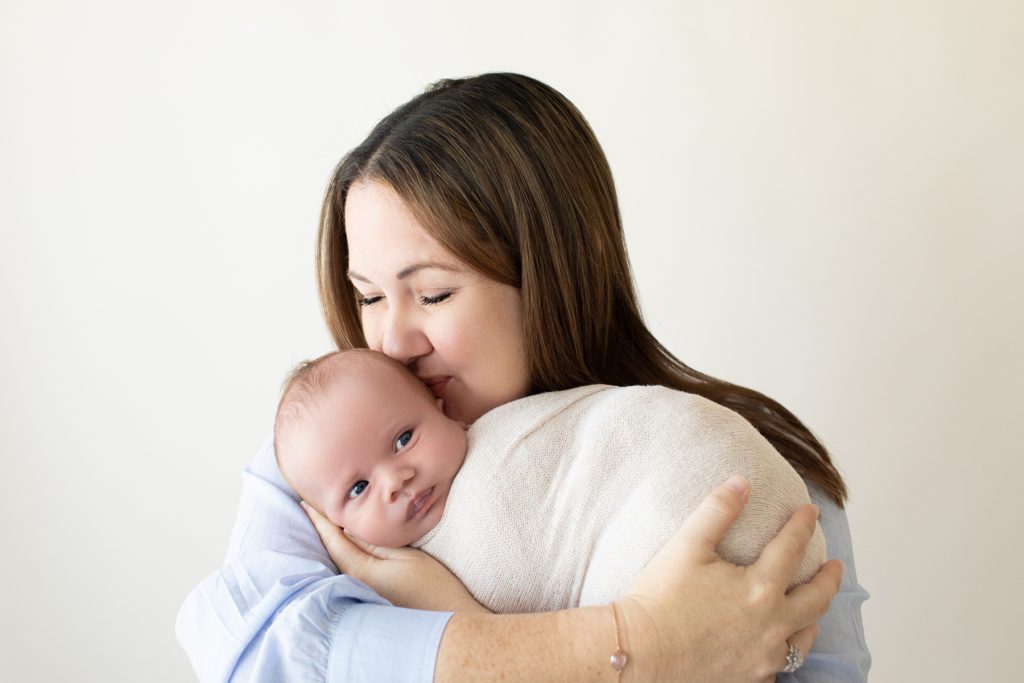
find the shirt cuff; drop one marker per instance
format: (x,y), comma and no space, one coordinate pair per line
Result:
(403,643)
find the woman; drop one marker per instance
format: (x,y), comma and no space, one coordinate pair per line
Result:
(475,237)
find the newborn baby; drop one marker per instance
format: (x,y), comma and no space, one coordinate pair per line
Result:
(561,498)
(363,441)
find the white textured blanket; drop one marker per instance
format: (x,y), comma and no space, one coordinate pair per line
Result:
(565,496)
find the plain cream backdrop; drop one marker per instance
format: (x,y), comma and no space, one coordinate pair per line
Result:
(823,200)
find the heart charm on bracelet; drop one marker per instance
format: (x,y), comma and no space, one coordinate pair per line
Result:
(619,660)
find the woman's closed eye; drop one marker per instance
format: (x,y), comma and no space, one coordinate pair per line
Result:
(358,488)
(436,299)
(423,299)
(403,439)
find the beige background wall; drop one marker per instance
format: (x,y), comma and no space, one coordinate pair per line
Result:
(823,201)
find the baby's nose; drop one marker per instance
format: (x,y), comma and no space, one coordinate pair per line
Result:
(396,479)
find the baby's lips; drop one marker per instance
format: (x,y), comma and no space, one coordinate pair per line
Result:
(418,502)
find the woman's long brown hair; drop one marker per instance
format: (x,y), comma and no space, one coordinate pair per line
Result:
(504,171)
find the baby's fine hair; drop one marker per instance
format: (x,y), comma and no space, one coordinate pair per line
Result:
(306,384)
(309,381)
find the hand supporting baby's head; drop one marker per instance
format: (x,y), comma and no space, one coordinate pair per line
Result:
(359,438)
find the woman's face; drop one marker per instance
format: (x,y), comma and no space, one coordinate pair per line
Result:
(459,332)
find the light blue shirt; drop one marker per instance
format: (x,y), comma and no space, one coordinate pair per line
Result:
(279,611)
(839,654)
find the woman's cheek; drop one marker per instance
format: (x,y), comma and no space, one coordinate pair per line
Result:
(371,330)
(445,334)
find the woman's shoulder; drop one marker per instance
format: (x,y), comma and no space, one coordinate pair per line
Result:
(688,413)
(516,418)
(685,408)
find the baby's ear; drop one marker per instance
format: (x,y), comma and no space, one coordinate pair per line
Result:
(440,406)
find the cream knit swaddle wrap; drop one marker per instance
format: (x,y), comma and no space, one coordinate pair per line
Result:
(565,496)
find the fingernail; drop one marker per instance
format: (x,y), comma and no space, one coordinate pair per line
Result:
(737,484)
(303,505)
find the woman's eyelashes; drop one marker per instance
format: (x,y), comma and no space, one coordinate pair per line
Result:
(358,488)
(423,298)
(436,299)
(403,439)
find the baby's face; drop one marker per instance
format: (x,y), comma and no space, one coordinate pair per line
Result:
(378,456)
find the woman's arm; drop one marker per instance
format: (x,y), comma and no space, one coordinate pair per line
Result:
(689,616)
(731,444)
(278,611)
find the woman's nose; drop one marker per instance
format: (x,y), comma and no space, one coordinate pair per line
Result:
(395,477)
(402,338)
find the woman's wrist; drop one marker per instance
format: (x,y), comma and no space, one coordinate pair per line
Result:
(639,638)
(569,645)
(591,634)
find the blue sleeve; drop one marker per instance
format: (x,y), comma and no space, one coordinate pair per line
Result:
(839,654)
(278,610)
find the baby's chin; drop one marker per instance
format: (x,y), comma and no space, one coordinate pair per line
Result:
(433,516)
(406,536)
(387,541)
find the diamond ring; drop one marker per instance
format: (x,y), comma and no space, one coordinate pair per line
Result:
(794,659)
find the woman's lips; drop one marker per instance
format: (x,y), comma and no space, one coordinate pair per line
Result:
(419,503)
(436,385)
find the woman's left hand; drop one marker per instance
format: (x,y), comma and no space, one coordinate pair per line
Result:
(405,577)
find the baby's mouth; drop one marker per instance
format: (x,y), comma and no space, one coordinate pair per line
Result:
(418,503)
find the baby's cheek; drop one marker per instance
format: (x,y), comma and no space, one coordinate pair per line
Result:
(337,520)
(331,512)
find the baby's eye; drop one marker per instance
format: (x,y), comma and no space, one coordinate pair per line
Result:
(403,441)
(359,487)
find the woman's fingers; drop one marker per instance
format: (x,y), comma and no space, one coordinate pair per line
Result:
(343,550)
(808,602)
(744,615)
(781,557)
(367,548)
(804,639)
(801,640)
(693,546)
(703,530)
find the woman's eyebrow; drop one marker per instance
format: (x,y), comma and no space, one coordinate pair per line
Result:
(409,270)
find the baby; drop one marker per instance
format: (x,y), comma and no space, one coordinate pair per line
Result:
(561,498)
(363,441)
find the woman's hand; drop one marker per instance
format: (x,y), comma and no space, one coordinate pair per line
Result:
(692,616)
(405,577)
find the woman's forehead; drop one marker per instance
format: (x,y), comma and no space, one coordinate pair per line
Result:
(385,240)
(373,211)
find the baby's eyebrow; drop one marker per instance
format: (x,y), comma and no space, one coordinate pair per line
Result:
(409,270)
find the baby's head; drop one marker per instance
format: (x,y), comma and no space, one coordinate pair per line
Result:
(360,439)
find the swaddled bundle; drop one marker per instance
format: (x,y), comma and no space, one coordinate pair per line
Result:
(564,497)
